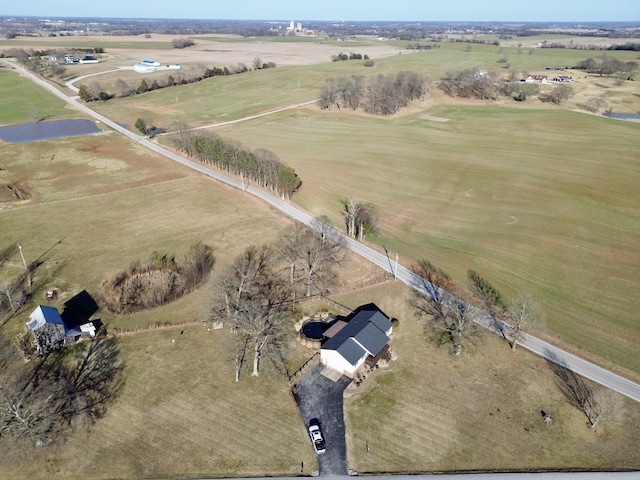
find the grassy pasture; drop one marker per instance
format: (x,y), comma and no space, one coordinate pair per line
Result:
(112,203)
(181,415)
(227,98)
(484,416)
(537,200)
(570,175)
(20,97)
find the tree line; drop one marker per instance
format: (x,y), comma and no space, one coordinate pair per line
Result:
(607,65)
(341,57)
(378,95)
(260,166)
(94,91)
(470,83)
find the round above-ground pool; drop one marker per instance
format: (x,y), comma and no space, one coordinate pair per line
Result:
(313,329)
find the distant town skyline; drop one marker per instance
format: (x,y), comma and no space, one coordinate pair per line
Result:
(339,10)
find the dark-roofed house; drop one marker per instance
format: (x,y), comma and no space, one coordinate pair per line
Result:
(52,333)
(363,338)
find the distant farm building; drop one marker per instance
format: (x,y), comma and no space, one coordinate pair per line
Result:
(536,79)
(148,66)
(562,79)
(89,59)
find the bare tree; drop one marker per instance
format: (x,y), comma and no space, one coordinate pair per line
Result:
(522,313)
(450,319)
(41,400)
(361,219)
(598,404)
(558,94)
(491,299)
(366,220)
(251,297)
(312,253)
(350,212)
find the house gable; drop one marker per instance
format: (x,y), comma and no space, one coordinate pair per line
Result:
(365,334)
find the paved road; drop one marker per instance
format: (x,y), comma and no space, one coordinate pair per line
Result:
(540,347)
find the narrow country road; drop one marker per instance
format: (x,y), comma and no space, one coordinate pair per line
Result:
(540,347)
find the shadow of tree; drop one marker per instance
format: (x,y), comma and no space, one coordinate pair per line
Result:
(41,402)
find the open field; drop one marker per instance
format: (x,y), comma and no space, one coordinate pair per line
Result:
(537,200)
(429,412)
(227,98)
(494,188)
(111,202)
(23,101)
(181,415)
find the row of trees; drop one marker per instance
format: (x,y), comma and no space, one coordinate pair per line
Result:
(158,280)
(94,91)
(260,166)
(452,319)
(469,83)
(452,311)
(352,56)
(256,294)
(607,65)
(379,95)
(182,42)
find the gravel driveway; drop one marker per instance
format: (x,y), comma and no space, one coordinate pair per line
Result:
(321,398)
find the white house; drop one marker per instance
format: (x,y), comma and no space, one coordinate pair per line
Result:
(536,79)
(362,338)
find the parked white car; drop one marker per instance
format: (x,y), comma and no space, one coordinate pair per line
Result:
(317,439)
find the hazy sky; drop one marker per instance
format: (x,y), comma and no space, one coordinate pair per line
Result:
(426,10)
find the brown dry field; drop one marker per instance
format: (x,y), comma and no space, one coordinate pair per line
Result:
(216,49)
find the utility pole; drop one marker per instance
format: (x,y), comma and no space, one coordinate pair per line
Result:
(22,255)
(395,274)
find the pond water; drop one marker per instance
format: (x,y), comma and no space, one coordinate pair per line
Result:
(623,116)
(34,131)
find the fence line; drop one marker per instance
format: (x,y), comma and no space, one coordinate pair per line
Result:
(306,366)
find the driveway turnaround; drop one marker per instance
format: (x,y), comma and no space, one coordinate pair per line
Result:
(321,397)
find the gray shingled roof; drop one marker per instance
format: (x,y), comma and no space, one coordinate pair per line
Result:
(365,330)
(351,351)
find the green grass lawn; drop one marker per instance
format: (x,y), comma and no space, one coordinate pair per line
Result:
(21,100)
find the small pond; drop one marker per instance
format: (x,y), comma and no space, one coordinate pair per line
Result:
(623,116)
(34,131)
